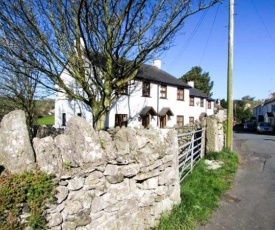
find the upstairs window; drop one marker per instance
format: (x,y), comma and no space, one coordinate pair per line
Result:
(146,89)
(180,95)
(163,91)
(123,90)
(191,101)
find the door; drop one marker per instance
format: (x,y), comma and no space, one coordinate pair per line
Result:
(146,121)
(162,121)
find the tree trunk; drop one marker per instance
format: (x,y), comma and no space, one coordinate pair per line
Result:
(100,124)
(100,112)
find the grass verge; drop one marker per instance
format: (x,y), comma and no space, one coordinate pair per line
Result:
(47,120)
(201,192)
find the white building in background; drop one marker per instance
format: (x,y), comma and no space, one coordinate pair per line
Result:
(153,98)
(266,111)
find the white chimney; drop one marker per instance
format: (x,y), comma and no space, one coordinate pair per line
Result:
(157,63)
(191,83)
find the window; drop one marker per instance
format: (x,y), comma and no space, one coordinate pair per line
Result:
(163,91)
(180,95)
(146,89)
(201,102)
(121,120)
(209,104)
(63,119)
(191,101)
(180,121)
(191,120)
(123,90)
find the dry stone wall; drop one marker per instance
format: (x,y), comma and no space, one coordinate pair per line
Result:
(124,179)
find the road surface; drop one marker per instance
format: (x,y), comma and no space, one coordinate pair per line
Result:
(250,204)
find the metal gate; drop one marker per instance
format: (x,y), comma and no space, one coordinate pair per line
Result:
(191,151)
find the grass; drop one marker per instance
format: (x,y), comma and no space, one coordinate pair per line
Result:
(201,192)
(47,120)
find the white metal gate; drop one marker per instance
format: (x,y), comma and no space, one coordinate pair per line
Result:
(190,152)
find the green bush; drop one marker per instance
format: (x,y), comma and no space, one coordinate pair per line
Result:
(25,193)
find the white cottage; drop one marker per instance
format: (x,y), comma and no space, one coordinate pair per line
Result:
(266,111)
(153,98)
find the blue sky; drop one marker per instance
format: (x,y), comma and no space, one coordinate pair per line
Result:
(205,44)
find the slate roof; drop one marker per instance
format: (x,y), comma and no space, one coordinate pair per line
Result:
(153,74)
(156,75)
(268,101)
(197,93)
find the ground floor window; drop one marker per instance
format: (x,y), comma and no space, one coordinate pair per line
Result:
(121,120)
(180,121)
(191,120)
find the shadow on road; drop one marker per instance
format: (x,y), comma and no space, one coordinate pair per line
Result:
(239,129)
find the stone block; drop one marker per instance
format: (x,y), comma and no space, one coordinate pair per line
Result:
(16,153)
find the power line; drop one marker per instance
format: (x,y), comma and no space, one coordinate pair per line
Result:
(191,36)
(262,21)
(206,44)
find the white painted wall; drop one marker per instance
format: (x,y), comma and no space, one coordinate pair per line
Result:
(70,107)
(132,105)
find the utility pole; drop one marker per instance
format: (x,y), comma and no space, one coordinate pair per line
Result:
(229,77)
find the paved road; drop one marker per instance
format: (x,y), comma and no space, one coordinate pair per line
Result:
(250,204)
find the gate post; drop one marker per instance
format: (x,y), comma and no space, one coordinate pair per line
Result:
(203,139)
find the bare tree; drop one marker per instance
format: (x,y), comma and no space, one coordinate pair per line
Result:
(101,44)
(18,89)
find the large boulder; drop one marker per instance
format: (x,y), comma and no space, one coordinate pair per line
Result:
(16,153)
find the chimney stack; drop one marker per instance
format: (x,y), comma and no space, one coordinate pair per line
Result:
(157,63)
(191,83)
